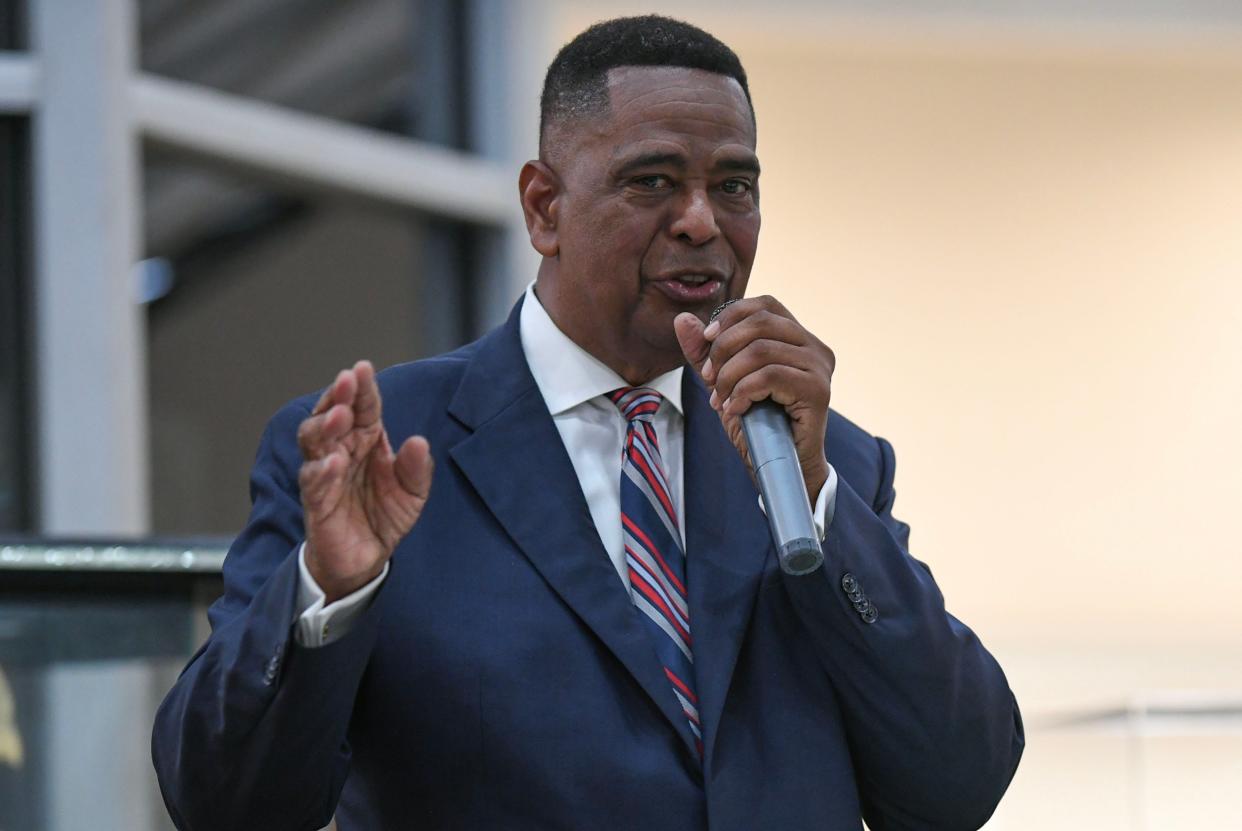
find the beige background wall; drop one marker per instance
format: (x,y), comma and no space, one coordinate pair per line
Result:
(1026,250)
(1031,267)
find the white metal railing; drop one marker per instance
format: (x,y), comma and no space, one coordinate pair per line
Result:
(154,558)
(321,153)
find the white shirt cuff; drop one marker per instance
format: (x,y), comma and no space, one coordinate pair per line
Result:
(318,624)
(825,506)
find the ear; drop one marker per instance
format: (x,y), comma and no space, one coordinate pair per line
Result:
(540,189)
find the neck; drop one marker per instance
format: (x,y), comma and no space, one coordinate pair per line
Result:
(634,363)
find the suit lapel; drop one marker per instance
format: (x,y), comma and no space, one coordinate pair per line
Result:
(517,463)
(727,545)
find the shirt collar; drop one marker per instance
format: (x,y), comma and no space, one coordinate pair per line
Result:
(566,374)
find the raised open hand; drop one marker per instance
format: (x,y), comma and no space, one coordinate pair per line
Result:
(359,498)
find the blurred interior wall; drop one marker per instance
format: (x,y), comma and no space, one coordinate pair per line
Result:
(1030,265)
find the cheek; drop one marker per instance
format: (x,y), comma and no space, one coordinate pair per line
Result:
(742,232)
(613,234)
(623,243)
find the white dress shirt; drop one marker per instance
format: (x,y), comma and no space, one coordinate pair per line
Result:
(574,384)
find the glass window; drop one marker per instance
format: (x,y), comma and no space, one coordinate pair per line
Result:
(254,298)
(352,61)
(85,657)
(16,512)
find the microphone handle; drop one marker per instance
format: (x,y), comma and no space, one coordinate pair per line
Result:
(775,462)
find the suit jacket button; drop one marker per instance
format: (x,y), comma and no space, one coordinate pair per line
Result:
(862,604)
(849,584)
(870,614)
(269,672)
(857,597)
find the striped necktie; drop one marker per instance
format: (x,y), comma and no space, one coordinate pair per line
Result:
(653,553)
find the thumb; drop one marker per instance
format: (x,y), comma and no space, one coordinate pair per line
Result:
(694,346)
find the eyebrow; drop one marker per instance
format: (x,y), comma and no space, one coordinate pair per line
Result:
(740,165)
(676,160)
(652,160)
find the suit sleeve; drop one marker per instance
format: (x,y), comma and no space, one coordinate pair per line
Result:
(933,728)
(253,733)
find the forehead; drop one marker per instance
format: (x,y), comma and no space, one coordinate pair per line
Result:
(651,103)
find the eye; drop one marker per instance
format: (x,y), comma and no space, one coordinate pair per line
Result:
(652,181)
(736,187)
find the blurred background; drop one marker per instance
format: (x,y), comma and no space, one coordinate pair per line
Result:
(1019,224)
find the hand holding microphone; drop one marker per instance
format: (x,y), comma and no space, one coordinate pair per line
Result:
(771,383)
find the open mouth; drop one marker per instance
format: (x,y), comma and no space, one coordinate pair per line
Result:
(691,288)
(693,279)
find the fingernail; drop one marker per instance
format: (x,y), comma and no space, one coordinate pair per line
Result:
(711,330)
(727,402)
(714,401)
(707,369)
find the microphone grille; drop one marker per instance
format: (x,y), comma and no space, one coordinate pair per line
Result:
(716,312)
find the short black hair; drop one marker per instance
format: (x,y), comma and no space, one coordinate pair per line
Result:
(577,81)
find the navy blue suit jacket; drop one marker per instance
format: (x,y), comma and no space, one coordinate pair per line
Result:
(501,679)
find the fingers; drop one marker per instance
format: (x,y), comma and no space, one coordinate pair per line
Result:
(413,467)
(340,391)
(321,434)
(785,385)
(753,358)
(367,401)
(741,309)
(321,482)
(761,325)
(351,400)
(694,346)
(758,350)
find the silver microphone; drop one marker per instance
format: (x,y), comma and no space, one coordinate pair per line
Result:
(769,440)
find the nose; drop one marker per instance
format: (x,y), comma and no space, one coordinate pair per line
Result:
(694,220)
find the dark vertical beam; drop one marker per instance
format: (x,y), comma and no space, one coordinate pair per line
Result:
(440,113)
(13,25)
(16,394)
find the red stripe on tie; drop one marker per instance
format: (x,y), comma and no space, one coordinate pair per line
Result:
(645,408)
(651,435)
(637,443)
(656,487)
(655,552)
(638,563)
(681,685)
(651,594)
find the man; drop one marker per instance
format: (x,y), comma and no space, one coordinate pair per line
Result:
(581,623)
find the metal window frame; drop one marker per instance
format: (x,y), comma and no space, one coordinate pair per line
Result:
(19,83)
(91,109)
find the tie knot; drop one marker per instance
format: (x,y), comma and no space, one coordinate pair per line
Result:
(636,403)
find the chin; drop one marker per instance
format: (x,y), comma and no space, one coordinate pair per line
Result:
(663,346)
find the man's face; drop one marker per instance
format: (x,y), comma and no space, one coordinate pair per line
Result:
(659,214)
